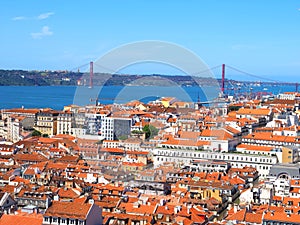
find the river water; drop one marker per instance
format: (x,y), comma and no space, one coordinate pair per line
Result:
(56,97)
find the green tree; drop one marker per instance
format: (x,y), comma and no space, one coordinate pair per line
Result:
(137,132)
(150,131)
(122,137)
(36,133)
(233,108)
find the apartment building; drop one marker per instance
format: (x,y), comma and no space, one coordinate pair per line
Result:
(47,122)
(73,213)
(114,128)
(65,122)
(262,163)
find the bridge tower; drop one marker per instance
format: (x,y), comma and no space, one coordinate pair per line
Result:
(223,78)
(91,74)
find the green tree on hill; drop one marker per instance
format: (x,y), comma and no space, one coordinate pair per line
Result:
(36,133)
(150,131)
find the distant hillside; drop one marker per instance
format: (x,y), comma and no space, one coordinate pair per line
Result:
(57,78)
(39,78)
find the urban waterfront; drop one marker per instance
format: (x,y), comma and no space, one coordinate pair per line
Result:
(150,112)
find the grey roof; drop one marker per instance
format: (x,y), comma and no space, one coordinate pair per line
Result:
(293,170)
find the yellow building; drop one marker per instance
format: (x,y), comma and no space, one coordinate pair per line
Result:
(167,101)
(201,190)
(47,122)
(289,155)
(206,189)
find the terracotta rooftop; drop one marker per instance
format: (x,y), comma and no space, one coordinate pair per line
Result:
(68,210)
(262,112)
(21,218)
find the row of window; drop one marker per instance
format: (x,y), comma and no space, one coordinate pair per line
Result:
(269,142)
(217,157)
(258,167)
(55,220)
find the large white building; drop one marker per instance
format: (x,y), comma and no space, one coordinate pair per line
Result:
(65,122)
(262,163)
(289,96)
(113,128)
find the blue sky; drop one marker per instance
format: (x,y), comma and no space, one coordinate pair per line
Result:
(259,37)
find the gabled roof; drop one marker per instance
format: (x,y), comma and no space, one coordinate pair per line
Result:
(69,193)
(30,157)
(138,209)
(219,133)
(238,216)
(282,217)
(68,210)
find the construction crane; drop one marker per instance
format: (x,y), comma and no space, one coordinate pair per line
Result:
(96,100)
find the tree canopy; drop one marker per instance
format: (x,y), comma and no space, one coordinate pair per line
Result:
(150,131)
(36,133)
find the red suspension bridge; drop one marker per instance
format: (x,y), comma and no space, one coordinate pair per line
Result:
(225,82)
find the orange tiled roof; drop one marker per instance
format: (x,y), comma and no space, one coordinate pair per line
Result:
(255,218)
(270,137)
(30,157)
(67,193)
(255,147)
(239,216)
(281,217)
(68,210)
(112,150)
(262,112)
(20,110)
(189,134)
(232,130)
(21,219)
(138,209)
(294,201)
(222,134)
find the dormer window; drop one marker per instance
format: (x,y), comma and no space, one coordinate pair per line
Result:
(46,219)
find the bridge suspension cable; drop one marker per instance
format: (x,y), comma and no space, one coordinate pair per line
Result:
(252,75)
(207,70)
(78,67)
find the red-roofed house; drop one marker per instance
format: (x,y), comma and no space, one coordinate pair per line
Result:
(71,213)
